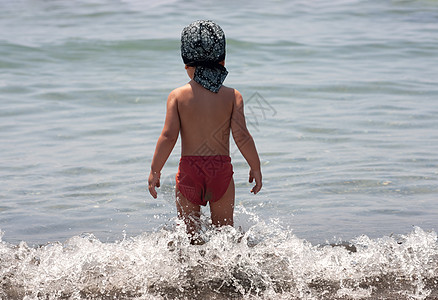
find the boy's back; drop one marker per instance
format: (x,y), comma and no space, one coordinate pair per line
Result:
(205,119)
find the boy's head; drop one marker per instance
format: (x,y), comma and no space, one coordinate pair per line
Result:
(203,47)
(202,41)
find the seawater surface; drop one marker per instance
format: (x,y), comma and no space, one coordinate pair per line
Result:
(341,99)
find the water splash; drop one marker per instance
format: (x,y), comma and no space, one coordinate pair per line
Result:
(266,261)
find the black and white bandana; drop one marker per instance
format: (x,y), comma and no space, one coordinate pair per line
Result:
(203,47)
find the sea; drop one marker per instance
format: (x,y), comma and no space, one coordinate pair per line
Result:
(341,98)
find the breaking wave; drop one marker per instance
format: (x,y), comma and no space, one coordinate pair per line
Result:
(266,261)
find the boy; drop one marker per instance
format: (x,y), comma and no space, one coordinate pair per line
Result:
(204,111)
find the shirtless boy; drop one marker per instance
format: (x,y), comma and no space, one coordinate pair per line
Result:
(203,112)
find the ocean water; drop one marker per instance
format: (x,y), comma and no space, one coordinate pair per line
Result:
(340,97)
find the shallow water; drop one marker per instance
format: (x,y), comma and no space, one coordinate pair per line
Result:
(341,101)
(265,262)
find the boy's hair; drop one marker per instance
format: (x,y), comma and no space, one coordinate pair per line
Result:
(203,47)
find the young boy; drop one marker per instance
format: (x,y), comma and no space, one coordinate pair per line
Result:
(204,111)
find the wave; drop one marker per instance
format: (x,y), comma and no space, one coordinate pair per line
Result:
(266,261)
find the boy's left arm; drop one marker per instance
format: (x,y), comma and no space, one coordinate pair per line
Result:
(165,143)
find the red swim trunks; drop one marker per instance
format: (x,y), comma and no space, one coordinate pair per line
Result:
(204,178)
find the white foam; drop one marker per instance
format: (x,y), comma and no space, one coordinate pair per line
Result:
(264,262)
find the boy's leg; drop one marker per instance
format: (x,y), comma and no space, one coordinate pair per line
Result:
(188,211)
(223,209)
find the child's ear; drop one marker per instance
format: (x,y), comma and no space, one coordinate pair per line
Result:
(222,63)
(186,67)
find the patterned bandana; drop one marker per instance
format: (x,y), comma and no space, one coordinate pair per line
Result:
(203,47)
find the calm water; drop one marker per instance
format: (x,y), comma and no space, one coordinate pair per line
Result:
(341,98)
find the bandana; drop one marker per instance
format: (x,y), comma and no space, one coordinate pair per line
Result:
(203,47)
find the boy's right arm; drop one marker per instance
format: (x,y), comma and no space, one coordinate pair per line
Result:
(245,142)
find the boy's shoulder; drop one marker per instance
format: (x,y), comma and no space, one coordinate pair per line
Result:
(227,89)
(187,90)
(181,92)
(234,92)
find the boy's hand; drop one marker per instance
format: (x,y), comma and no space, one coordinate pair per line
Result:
(154,181)
(257,175)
